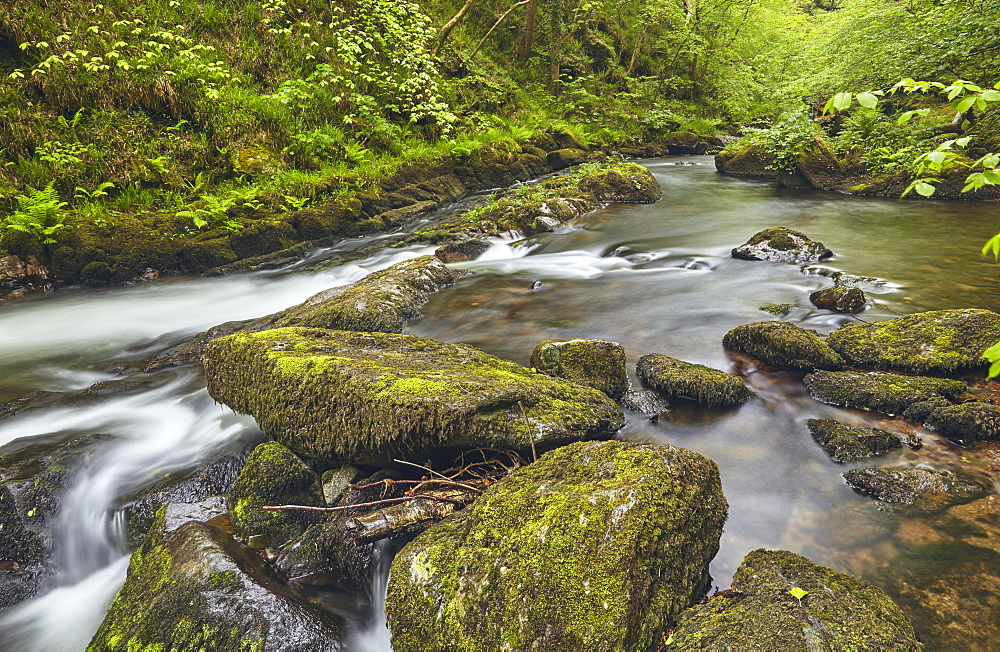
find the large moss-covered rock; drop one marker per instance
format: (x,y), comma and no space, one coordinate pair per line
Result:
(969,421)
(596,546)
(380,302)
(628,183)
(839,299)
(835,611)
(917,489)
(887,393)
(347,396)
(746,160)
(682,142)
(594,363)
(679,379)
(198,589)
(782,245)
(846,443)
(273,475)
(783,345)
(941,341)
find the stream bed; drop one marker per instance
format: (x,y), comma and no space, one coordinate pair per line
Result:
(655,278)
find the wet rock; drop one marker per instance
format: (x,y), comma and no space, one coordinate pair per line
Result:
(646,402)
(564,158)
(781,245)
(919,411)
(940,342)
(777,309)
(273,475)
(351,397)
(33,481)
(628,183)
(679,379)
(566,138)
(835,611)
(839,299)
(596,546)
(337,481)
(682,142)
(18,277)
(173,515)
(870,283)
(968,421)
(380,302)
(783,345)
(460,252)
(919,490)
(594,363)
(197,588)
(746,160)
(887,393)
(846,443)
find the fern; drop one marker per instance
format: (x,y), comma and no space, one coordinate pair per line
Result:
(41,214)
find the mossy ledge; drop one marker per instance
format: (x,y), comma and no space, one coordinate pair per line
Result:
(783,345)
(678,379)
(937,342)
(886,393)
(835,611)
(348,396)
(596,546)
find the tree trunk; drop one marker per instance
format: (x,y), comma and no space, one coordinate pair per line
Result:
(450,25)
(529,30)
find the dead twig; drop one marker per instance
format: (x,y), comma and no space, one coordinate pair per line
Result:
(374,503)
(534,453)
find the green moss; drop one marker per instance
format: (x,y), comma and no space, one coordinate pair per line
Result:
(783,345)
(943,341)
(779,309)
(594,547)
(679,379)
(887,393)
(780,244)
(595,363)
(969,421)
(849,443)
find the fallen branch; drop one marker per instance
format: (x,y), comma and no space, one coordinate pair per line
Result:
(374,503)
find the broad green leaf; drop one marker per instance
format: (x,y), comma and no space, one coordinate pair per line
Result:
(965,103)
(937,158)
(963,141)
(924,189)
(828,107)
(867,100)
(798,593)
(992,353)
(842,101)
(905,117)
(993,246)
(994,370)
(990,95)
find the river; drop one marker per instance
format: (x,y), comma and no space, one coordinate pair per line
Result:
(655,278)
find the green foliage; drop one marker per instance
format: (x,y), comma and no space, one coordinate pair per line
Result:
(785,138)
(40,214)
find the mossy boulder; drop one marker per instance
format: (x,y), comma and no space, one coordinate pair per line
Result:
(273,475)
(969,421)
(596,546)
(839,299)
(564,158)
(380,302)
(678,379)
(777,309)
(682,142)
(783,345)
(744,159)
(918,490)
(781,245)
(594,363)
(628,183)
(646,402)
(920,410)
(460,252)
(347,396)
(199,589)
(880,392)
(938,342)
(835,611)
(846,443)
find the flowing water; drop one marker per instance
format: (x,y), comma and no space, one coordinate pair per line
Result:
(656,278)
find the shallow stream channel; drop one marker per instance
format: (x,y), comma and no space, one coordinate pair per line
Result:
(654,278)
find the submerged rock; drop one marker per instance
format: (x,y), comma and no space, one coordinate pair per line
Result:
(782,245)
(679,379)
(380,302)
(969,421)
(596,546)
(919,490)
(839,299)
(783,345)
(940,342)
(594,363)
(198,589)
(777,309)
(345,396)
(832,611)
(460,252)
(646,402)
(273,475)
(887,393)
(847,443)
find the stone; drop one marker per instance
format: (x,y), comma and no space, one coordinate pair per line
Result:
(880,392)
(839,299)
(834,611)
(682,142)
(273,475)
(594,363)
(746,160)
(972,421)
(370,397)
(777,309)
(937,342)
(919,411)
(917,489)
(646,402)
(846,443)
(782,245)
(337,481)
(678,379)
(564,158)
(460,252)
(199,589)
(628,183)
(783,345)
(380,302)
(596,546)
